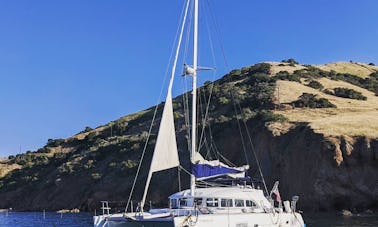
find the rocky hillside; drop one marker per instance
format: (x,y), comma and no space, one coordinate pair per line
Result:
(314,128)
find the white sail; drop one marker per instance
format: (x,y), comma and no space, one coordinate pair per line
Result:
(165,153)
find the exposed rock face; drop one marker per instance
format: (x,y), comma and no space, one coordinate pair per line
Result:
(327,173)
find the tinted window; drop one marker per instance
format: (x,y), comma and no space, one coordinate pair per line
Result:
(250,203)
(198,201)
(211,202)
(182,202)
(226,202)
(239,203)
(173,203)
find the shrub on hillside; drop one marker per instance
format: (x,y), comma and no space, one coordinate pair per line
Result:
(259,92)
(291,61)
(310,101)
(234,75)
(313,72)
(96,176)
(369,83)
(269,116)
(87,129)
(258,78)
(259,68)
(223,100)
(284,75)
(329,92)
(374,75)
(44,150)
(54,142)
(315,84)
(349,93)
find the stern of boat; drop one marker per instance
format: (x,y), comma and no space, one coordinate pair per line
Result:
(100,221)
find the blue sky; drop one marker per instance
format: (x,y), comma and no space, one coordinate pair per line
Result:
(69,64)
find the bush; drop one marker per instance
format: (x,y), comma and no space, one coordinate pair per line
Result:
(112,164)
(329,92)
(91,136)
(96,176)
(66,168)
(291,61)
(259,92)
(129,164)
(349,93)
(284,75)
(60,155)
(258,78)
(314,72)
(223,100)
(269,116)
(315,84)
(236,72)
(54,142)
(310,101)
(374,75)
(372,64)
(370,83)
(87,129)
(89,164)
(43,150)
(259,68)
(234,75)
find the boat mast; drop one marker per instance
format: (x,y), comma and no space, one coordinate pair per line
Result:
(194,96)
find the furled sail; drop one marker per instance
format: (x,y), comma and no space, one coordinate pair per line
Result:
(204,169)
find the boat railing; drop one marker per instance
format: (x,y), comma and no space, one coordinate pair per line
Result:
(105,208)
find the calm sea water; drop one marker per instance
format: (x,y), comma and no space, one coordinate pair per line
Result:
(37,219)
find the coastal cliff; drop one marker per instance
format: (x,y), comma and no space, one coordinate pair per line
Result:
(313,128)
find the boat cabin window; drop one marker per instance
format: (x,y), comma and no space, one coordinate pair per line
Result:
(226,202)
(198,201)
(239,203)
(183,202)
(212,202)
(173,203)
(250,203)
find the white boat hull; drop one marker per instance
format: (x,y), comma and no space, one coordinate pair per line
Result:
(206,220)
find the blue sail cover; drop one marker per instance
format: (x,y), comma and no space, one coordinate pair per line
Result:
(206,170)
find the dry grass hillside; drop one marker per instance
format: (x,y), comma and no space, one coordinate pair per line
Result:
(356,68)
(5,167)
(277,67)
(351,117)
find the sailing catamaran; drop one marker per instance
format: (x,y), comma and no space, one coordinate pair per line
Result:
(238,204)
